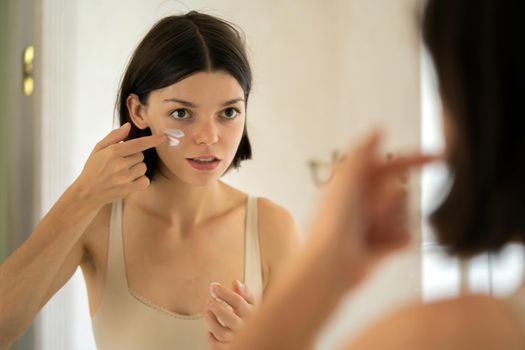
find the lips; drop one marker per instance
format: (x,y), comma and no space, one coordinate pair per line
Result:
(204,162)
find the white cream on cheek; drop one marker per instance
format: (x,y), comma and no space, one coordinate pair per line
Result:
(173,136)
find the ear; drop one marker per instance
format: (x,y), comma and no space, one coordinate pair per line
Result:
(137,111)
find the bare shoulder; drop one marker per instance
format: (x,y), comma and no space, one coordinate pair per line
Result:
(279,236)
(276,220)
(470,322)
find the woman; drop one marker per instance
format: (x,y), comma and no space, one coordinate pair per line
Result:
(477,48)
(159,262)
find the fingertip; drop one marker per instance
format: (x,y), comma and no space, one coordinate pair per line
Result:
(143,182)
(214,289)
(241,287)
(366,143)
(124,129)
(374,138)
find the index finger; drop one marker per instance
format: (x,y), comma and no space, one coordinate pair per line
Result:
(140,144)
(236,301)
(408,161)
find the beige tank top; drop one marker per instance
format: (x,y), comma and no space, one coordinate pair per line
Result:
(124,320)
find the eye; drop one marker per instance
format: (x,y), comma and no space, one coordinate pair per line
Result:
(230,113)
(180,114)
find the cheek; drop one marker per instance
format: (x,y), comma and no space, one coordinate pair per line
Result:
(172,157)
(157,125)
(234,136)
(158,121)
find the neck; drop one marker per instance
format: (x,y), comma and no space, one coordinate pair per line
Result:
(179,203)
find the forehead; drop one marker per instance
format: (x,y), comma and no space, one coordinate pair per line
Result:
(218,86)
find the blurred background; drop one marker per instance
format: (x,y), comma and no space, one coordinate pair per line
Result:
(325,73)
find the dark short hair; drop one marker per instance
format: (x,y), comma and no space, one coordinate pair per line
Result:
(175,48)
(478,51)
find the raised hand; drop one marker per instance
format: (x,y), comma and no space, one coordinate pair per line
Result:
(227,311)
(363,214)
(114,168)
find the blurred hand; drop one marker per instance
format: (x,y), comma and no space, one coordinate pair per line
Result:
(227,311)
(363,214)
(114,168)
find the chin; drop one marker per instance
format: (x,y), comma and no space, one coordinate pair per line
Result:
(197,179)
(202,181)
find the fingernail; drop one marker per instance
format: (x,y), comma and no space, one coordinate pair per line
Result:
(214,287)
(241,285)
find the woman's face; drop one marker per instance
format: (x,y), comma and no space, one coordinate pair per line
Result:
(209,108)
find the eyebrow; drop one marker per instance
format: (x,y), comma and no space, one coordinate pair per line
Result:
(192,105)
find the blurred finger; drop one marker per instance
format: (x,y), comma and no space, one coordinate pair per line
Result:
(406,162)
(356,162)
(391,217)
(404,176)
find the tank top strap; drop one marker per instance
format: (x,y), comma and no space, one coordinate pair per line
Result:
(116,270)
(252,255)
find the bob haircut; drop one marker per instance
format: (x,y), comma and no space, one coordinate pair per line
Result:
(477,49)
(175,48)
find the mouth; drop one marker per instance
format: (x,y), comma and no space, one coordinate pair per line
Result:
(205,159)
(207,162)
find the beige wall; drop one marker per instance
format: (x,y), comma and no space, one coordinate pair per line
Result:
(325,72)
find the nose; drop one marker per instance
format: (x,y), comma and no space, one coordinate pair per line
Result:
(206,132)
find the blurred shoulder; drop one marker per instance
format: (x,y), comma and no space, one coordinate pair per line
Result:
(473,322)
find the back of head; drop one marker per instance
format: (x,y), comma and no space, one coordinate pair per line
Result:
(478,51)
(175,48)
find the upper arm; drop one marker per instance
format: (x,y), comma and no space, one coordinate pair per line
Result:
(82,254)
(468,323)
(66,270)
(279,238)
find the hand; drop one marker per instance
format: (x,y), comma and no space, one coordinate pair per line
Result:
(115,169)
(227,312)
(363,214)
